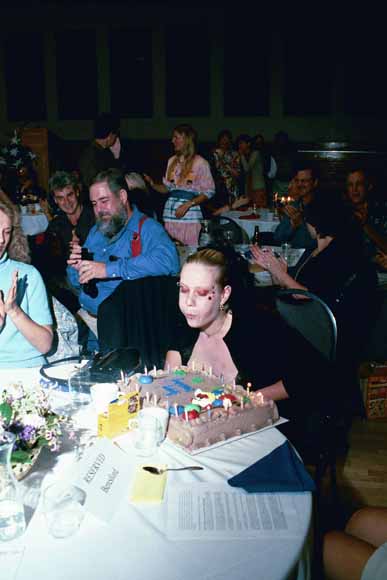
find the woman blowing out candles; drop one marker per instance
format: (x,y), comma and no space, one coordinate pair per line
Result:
(25,319)
(224,329)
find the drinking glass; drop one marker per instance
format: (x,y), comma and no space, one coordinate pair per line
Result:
(79,389)
(63,506)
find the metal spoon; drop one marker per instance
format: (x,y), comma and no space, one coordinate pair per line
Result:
(159,471)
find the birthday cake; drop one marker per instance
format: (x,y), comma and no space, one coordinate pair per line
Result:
(202,410)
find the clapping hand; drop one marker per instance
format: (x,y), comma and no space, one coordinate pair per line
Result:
(9,306)
(294,214)
(265,258)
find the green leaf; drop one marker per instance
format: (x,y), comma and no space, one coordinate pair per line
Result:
(6,411)
(20,456)
(42,442)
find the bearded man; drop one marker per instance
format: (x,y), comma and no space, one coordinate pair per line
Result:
(124,244)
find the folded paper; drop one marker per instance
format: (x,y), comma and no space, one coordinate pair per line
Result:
(148,487)
(280,471)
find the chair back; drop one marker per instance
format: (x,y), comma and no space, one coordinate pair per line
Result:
(311,317)
(225,230)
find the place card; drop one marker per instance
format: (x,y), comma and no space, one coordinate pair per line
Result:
(104,474)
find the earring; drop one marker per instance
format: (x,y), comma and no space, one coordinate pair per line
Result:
(221,307)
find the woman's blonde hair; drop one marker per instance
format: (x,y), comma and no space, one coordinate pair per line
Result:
(188,153)
(18,246)
(214,259)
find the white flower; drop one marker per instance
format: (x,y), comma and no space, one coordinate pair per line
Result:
(15,391)
(33,419)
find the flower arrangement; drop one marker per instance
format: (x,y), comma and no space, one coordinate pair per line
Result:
(28,414)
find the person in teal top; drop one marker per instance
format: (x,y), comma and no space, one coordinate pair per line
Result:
(25,318)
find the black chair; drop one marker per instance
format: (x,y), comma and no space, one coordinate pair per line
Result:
(225,230)
(313,319)
(140,314)
(310,316)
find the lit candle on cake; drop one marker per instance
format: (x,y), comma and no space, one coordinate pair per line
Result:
(186,415)
(145,370)
(233,385)
(210,371)
(154,370)
(193,365)
(168,368)
(147,397)
(260,399)
(242,402)
(248,388)
(176,411)
(155,400)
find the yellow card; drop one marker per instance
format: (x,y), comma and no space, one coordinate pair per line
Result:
(148,487)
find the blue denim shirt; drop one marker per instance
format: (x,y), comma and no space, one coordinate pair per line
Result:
(158,257)
(299,237)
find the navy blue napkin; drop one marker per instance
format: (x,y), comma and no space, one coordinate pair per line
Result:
(280,471)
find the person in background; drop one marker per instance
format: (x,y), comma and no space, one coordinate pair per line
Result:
(360,552)
(284,153)
(105,151)
(292,227)
(226,168)
(370,212)
(140,195)
(25,320)
(189,182)
(243,147)
(259,166)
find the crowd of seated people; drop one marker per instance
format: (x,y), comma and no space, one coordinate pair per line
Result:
(111,234)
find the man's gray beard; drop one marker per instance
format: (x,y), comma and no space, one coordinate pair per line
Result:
(114,225)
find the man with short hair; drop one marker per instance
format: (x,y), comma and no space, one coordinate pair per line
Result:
(125,243)
(74,221)
(105,151)
(370,212)
(292,228)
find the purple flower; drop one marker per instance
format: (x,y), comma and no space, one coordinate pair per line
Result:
(28,433)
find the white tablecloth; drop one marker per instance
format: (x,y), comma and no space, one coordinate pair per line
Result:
(266,221)
(134,545)
(33,224)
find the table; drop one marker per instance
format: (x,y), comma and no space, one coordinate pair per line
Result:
(134,546)
(33,221)
(266,221)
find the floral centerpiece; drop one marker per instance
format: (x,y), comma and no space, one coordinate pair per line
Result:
(27,413)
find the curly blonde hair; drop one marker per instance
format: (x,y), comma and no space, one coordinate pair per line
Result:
(189,152)
(18,246)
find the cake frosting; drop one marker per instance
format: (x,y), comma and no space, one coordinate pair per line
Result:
(202,409)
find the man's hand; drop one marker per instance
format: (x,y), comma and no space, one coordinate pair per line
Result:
(9,306)
(182,209)
(75,255)
(89,270)
(294,214)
